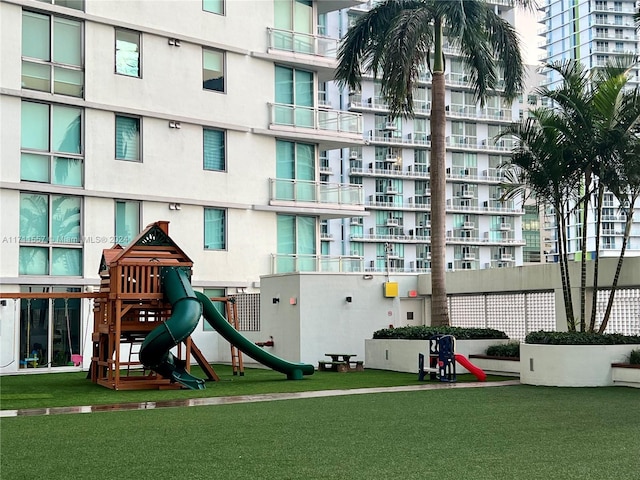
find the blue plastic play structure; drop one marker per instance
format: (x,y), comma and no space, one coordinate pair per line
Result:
(442,360)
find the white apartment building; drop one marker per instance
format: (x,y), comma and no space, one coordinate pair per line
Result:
(114,115)
(117,114)
(393,167)
(592,32)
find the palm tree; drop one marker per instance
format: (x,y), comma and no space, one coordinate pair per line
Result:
(543,163)
(600,116)
(396,39)
(621,174)
(593,122)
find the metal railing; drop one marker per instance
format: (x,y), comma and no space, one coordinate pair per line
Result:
(306,43)
(290,190)
(326,120)
(288,263)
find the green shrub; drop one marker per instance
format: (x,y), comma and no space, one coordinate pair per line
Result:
(634,357)
(511,350)
(424,333)
(580,338)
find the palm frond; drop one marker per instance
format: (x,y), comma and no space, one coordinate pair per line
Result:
(364,46)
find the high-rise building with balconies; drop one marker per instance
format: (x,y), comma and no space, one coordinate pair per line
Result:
(592,32)
(483,229)
(205,113)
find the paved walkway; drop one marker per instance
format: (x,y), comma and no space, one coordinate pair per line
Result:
(267,397)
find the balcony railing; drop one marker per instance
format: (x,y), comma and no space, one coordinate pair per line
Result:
(288,190)
(297,42)
(282,263)
(323,119)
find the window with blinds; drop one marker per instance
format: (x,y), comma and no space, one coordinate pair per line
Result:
(128,138)
(215,229)
(214,149)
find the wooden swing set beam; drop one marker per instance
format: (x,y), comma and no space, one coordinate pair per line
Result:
(44,295)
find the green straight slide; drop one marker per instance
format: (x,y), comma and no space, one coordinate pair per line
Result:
(294,371)
(187,307)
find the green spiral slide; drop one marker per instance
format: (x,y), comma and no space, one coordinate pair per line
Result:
(186,310)
(188,306)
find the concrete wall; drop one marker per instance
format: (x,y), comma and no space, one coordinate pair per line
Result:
(571,365)
(322,321)
(402,355)
(542,277)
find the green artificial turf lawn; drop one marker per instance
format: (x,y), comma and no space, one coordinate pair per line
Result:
(73,389)
(512,433)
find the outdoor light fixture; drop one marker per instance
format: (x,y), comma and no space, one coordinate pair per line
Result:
(175,206)
(349,299)
(275,300)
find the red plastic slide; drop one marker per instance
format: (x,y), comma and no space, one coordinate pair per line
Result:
(478,372)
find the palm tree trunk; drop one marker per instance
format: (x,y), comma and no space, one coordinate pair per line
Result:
(616,277)
(564,268)
(583,251)
(439,305)
(596,262)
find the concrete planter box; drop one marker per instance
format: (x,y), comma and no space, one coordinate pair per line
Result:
(402,355)
(570,365)
(505,366)
(626,375)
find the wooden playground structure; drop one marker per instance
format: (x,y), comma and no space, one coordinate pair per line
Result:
(134,305)
(130,304)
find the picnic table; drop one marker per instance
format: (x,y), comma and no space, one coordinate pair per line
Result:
(340,357)
(341,362)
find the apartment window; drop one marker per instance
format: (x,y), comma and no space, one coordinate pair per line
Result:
(213,6)
(128,138)
(294,16)
(213,70)
(127,53)
(420,130)
(75,4)
(127,221)
(294,87)
(51,144)
(295,171)
(52,54)
(214,149)
(50,235)
(215,229)
(296,243)
(607,200)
